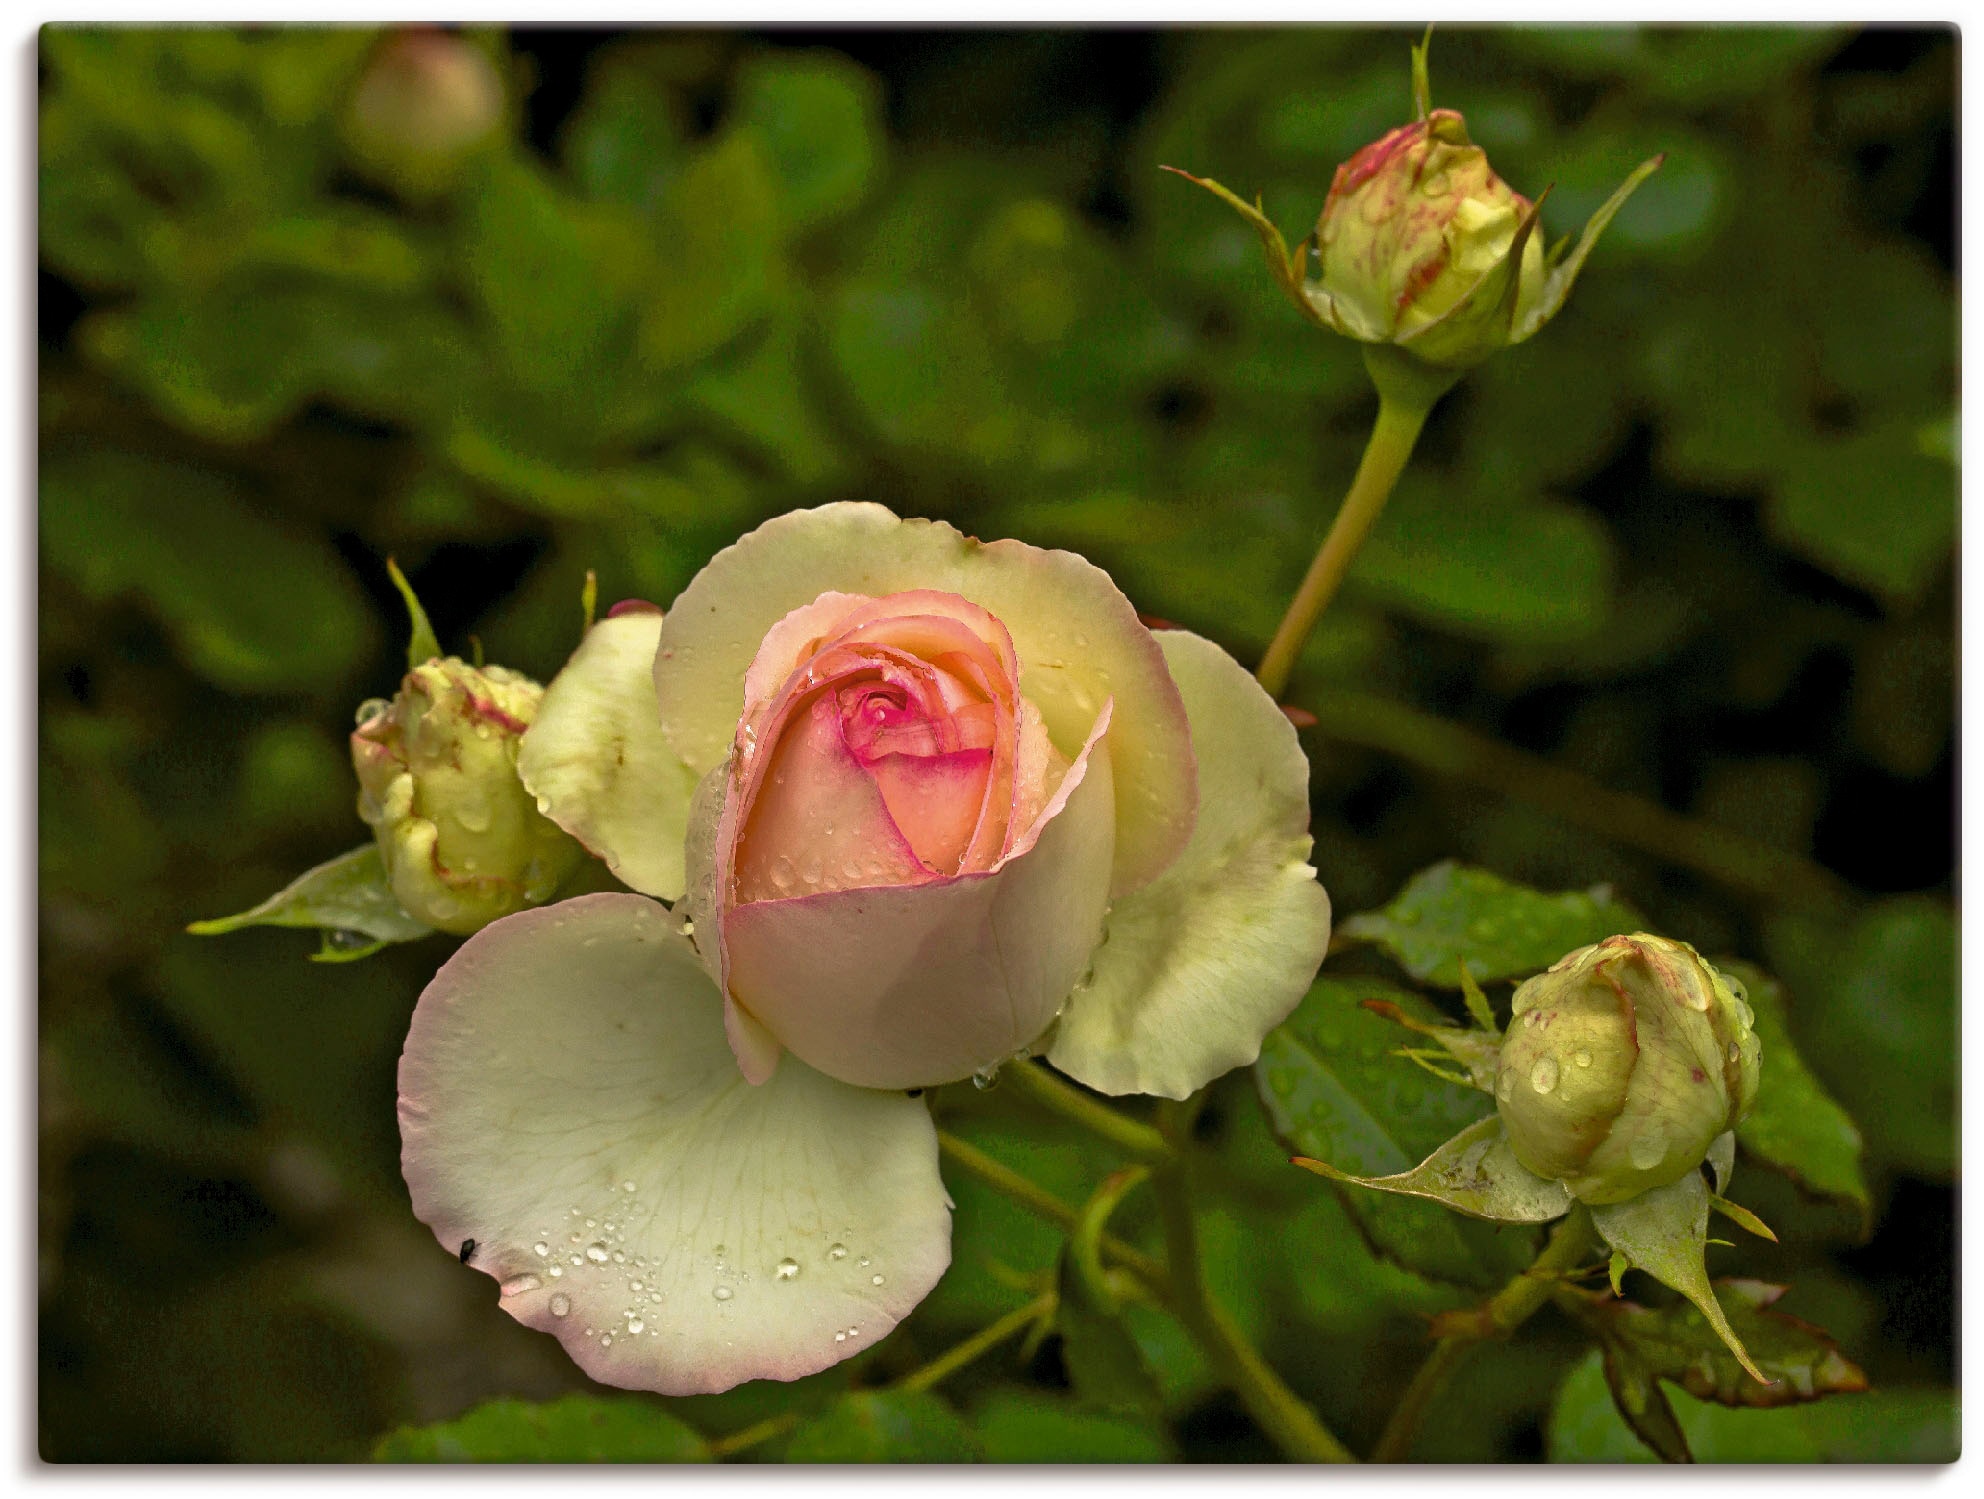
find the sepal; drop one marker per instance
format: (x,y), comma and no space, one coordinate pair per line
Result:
(1473,1173)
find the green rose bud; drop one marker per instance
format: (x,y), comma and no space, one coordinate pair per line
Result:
(1622,1064)
(462,840)
(1414,226)
(426,103)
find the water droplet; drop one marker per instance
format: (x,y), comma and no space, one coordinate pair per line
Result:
(1583,1058)
(655,1297)
(540,1249)
(721,1251)
(578,1260)
(1696,996)
(636,1325)
(787,1269)
(1735,1052)
(985,1077)
(862,1262)
(592,1223)
(561,1305)
(347,941)
(1505,1087)
(874,1280)
(629,1187)
(606,1340)
(371,708)
(782,875)
(575,1212)
(521,1284)
(596,1252)
(619,1257)
(837,1252)
(636,1285)
(811,873)
(1543,1076)
(723,1293)
(1745,1014)
(1648,1150)
(473,816)
(840,1337)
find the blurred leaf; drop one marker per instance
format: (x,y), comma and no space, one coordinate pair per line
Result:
(1030,1428)
(625,141)
(1452,913)
(819,118)
(1795,1125)
(759,391)
(1536,570)
(1102,1358)
(252,605)
(881,1426)
(718,225)
(1334,1091)
(1871,509)
(1904,696)
(575,1429)
(1884,1426)
(1877,1019)
(348,897)
(293,776)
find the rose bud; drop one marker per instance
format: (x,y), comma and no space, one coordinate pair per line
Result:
(462,840)
(1425,250)
(426,103)
(1622,1063)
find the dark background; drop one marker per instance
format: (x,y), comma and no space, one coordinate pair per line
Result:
(1694,543)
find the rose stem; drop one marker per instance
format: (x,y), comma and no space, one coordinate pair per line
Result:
(1450,749)
(1570,1241)
(940,1368)
(1045,1089)
(1276,1409)
(1042,1203)
(1407,390)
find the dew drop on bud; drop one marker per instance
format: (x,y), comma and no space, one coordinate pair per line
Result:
(1505,1088)
(1647,1150)
(371,708)
(1583,1059)
(787,1269)
(1543,1076)
(837,1252)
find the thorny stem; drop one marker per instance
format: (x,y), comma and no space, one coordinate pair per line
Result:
(940,1368)
(1450,749)
(1497,1317)
(1277,1409)
(1044,1088)
(1403,406)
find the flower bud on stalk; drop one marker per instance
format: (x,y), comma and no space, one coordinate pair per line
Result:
(426,103)
(462,840)
(1622,1063)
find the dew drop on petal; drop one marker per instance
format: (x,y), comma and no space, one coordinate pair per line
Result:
(1505,1087)
(540,1249)
(1543,1076)
(636,1325)
(840,1337)
(723,1293)
(629,1187)
(1735,1052)
(520,1284)
(1648,1150)
(597,1253)
(874,1280)
(561,1305)
(556,1271)
(1583,1059)
(837,1252)
(787,1269)
(606,1340)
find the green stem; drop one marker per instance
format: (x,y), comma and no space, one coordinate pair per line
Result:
(940,1368)
(1449,749)
(1276,1409)
(1046,1089)
(1406,393)
(1037,1200)
(1497,1317)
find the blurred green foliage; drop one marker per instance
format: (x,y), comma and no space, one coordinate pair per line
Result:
(1694,544)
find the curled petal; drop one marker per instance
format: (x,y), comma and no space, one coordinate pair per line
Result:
(600,766)
(568,1101)
(914,985)
(1199,965)
(1078,642)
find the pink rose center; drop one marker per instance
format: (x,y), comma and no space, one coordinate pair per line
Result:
(884,742)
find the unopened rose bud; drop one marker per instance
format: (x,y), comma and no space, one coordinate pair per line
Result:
(1622,1064)
(462,840)
(1413,224)
(427,102)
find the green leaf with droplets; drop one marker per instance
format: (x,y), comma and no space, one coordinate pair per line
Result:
(884,1426)
(576,1429)
(1452,913)
(1474,1173)
(1334,1090)
(347,898)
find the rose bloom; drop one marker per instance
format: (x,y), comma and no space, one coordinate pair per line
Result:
(922,804)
